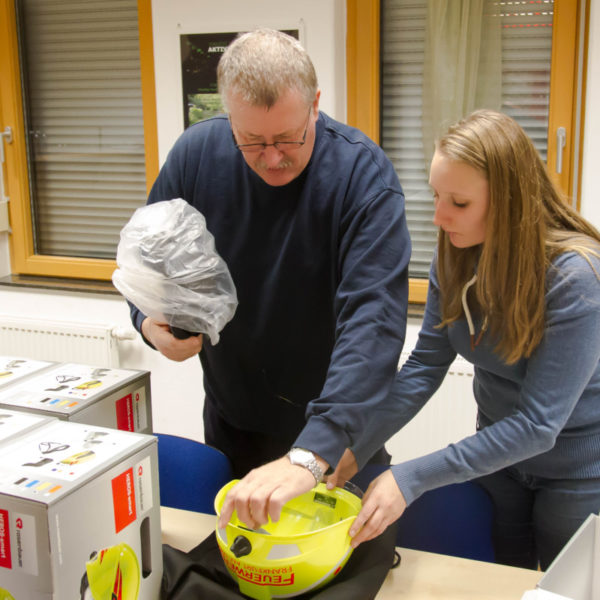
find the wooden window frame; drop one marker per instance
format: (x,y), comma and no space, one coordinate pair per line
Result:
(363,87)
(24,260)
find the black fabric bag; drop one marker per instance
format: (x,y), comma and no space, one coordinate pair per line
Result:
(201,574)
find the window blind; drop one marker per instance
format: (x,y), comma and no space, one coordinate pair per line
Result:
(526,57)
(83,110)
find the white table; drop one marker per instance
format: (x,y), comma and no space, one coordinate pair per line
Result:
(420,576)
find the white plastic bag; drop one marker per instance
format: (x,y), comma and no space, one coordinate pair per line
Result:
(169,268)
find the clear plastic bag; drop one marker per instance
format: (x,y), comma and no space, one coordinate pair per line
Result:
(169,268)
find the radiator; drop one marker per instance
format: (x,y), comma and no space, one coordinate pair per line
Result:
(61,341)
(449,416)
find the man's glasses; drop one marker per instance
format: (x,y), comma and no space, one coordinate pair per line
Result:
(281,146)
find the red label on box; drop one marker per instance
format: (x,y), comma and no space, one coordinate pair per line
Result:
(123,500)
(124,408)
(5,558)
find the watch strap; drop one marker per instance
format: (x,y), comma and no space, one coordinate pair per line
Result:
(310,462)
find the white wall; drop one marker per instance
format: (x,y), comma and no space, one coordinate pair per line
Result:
(177,388)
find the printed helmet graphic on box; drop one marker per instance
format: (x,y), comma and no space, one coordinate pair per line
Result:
(80,457)
(88,385)
(111,574)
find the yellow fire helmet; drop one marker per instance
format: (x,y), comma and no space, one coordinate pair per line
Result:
(303,551)
(114,574)
(4,595)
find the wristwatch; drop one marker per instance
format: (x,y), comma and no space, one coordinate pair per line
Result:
(306,459)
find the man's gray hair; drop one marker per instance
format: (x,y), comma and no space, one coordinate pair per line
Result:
(262,65)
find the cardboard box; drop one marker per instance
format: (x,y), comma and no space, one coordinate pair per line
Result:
(118,398)
(14,424)
(575,572)
(79,510)
(15,368)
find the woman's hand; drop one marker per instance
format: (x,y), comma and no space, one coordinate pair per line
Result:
(160,336)
(345,470)
(383,503)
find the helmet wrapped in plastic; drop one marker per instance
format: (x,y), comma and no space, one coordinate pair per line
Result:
(169,268)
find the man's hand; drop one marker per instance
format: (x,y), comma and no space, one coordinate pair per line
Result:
(383,503)
(345,470)
(160,336)
(264,491)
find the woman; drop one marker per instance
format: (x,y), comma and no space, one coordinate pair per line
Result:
(515,289)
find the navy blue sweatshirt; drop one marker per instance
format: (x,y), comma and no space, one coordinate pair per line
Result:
(320,268)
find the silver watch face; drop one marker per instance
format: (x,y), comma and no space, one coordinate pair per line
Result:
(305,458)
(299,455)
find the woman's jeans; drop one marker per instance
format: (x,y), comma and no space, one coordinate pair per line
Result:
(535,517)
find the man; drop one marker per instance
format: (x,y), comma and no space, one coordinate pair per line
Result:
(308,214)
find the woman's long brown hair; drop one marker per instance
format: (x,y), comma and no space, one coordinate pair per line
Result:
(528,224)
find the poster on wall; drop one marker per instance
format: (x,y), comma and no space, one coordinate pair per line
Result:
(200,55)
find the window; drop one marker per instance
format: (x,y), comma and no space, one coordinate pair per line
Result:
(537,44)
(78,89)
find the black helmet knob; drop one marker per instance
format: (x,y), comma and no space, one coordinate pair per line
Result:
(241,546)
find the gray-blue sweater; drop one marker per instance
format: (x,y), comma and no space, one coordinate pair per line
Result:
(320,268)
(541,414)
